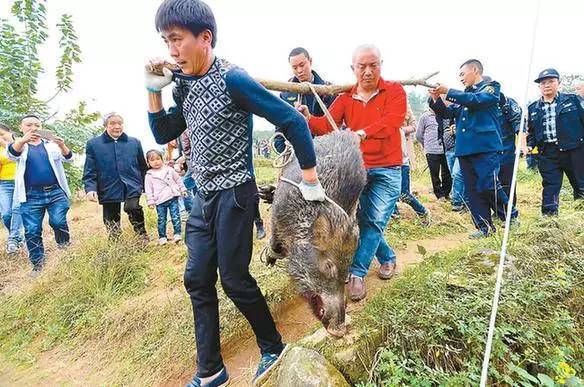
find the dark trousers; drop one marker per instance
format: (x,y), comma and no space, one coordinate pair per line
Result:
(532,161)
(505,177)
(480,174)
(219,235)
(440,175)
(112,219)
(257,215)
(553,163)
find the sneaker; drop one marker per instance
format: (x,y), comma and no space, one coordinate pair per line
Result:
(457,208)
(220,380)
(162,241)
(478,234)
(357,290)
(177,238)
(12,247)
(36,270)
(425,219)
(386,270)
(268,362)
(261,231)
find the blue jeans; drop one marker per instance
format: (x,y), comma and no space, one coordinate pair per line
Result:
(406,195)
(458,195)
(38,200)
(10,211)
(169,206)
(376,204)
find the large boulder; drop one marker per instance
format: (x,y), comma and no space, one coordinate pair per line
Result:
(307,368)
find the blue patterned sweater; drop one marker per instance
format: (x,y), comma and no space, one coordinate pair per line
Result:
(216,110)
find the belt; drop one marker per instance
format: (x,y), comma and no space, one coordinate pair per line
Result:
(45,188)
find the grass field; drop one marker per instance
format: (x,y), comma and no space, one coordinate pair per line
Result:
(118,314)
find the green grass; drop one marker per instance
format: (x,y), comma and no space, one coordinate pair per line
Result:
(125,310)
(435,317)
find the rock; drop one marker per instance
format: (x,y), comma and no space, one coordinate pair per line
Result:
(307,368)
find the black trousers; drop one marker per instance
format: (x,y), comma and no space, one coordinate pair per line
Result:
(219,236)
(112,216)
(440,175)
(553,164)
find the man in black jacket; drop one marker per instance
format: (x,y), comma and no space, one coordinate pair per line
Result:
(114,173)
(301,64)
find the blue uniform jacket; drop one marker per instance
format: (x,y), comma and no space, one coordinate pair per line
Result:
(477,115)
(114,169)
(510,124)
(569,122)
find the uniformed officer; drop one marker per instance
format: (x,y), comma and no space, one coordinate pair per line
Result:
(556,126)
(301,65)
(478,141)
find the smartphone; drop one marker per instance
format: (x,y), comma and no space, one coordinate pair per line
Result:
(46,134)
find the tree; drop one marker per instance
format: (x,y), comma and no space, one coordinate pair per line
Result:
(569,82)
(417,102)
(20,68)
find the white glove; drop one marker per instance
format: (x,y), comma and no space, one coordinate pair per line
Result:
(155,83)
(312,192)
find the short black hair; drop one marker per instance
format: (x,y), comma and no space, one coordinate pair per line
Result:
(474,62)
(193,15)
(30,115)
(298,51)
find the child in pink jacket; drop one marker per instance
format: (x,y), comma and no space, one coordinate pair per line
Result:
(163,187)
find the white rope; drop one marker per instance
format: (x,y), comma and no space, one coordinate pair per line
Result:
(323,107)
(284,158)
(498,284)
(297,185)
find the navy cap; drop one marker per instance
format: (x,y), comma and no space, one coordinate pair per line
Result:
(547,73)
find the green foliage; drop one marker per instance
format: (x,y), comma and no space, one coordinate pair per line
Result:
(72,301)
(569,82)
(435,317)
(20,67)
(417,102)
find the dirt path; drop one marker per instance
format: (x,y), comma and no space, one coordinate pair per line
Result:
(296,320)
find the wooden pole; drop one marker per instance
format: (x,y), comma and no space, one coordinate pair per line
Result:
(305,87)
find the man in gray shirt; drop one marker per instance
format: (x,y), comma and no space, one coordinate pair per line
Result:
(427,135)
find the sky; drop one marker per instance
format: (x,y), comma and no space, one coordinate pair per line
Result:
(415,37)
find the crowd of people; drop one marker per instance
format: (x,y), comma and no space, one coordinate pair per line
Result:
(469,138)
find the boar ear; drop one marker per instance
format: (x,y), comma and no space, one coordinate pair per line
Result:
(321,233)
(327,267)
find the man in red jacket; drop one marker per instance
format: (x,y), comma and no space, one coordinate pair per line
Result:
(374,110)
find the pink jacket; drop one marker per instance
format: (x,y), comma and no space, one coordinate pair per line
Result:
(162,185)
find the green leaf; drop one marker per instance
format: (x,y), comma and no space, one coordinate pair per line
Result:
(546,380)
(422,250)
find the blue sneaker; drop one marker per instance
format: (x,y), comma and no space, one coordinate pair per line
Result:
(267,362)
(220,381)
(478,234)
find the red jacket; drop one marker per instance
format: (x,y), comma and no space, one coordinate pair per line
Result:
(380,118)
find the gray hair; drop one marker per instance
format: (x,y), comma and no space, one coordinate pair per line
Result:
(107,117)
(366,47)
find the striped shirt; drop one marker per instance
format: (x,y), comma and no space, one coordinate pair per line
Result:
(549,121)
